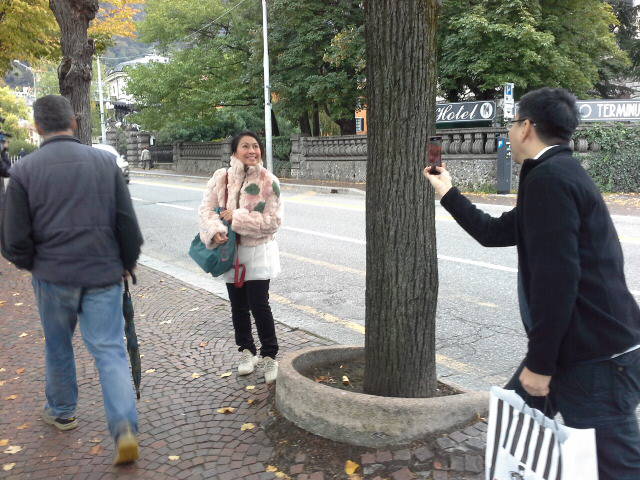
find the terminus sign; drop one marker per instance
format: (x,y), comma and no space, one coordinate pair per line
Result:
(465,112)
(609,110)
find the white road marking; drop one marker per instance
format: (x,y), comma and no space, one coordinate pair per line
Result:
(179,207)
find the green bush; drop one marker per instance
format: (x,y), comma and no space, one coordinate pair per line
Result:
(616,167)
(16,145)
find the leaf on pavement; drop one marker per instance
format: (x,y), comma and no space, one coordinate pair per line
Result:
(20,371)
(247,426)
(2,370)
(151,370)
(2,382)
(4,442)
(19,304)
(250,387)
(23,334)
(165,322)
(95,440)
(2,303)
(15,294)
(345,380)
(183,289)
(225,375)
(282,475)
(24,426)
(351,467)
(271,468)
(195,309)
(322,379)
(96,450)
(251,401)
(203,344)
(13,449)
(8,466)
(11,397)
(174,458)
(226,410)
(196,375)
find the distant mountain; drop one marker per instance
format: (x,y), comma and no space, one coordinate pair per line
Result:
(126,49)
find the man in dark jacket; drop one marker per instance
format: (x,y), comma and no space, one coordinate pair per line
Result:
(5,165)
(70,221)
(582,323)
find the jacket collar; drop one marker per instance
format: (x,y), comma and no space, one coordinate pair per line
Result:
(237,167)
(530,163)
(60,138)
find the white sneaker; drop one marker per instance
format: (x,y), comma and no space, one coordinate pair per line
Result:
(270,369)
(247,363)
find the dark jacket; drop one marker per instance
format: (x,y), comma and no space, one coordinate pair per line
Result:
(69,217)
(569,259)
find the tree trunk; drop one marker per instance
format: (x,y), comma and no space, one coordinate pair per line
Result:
(347,125)
(74,72)
(402,265)
(275,129)
(305,126)
(316,120)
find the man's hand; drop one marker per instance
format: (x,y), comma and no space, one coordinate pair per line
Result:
(535,385)
(220,238)
(442,182)
(227,215)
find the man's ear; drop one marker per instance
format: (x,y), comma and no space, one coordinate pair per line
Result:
(39,129)
(74,123)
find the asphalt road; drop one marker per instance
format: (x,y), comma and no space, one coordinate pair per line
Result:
(480,339)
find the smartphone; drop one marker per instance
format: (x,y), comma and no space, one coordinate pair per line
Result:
(435,154)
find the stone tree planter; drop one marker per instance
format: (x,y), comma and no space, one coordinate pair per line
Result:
(360,419)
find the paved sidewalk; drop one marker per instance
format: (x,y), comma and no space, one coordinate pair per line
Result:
(183,331)
(187,345)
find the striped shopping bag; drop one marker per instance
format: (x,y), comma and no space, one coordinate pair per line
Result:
(524,444)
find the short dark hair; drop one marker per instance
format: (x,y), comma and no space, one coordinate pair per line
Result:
(53,113)
(554,112)
(235,141)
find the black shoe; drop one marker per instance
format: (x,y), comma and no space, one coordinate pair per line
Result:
(59,423)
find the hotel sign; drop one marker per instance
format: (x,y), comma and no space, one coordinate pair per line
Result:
(609,110)
(465,112)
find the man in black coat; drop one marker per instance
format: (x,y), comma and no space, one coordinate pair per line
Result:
(69,220)
(582,323)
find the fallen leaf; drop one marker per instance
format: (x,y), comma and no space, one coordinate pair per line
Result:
(203,344)
(355,476)
(345,380)
(24,426)
(281,475)
(11,397)
(19,304)
(195,309)
(95,440)
(2,370)
(173,458)
(140,295)
(151,370)
(2,383)
(271,468)
(225,375)
(142,356)
(96,450)
(196,375)
(321,379)
(351,467)
(15,294)
(20,371)
(23,334)
(250,387)
(251,401)
(226,410)
(8,466)
(247,426)
(4,442)
(13,449)
(183,289)
(2,302)
(165,322)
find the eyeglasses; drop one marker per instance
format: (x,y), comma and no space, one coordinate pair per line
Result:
(511,123)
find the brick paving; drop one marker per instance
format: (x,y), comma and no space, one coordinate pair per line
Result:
(184,331)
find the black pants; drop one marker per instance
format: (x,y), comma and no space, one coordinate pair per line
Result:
(253,298)
(601,395)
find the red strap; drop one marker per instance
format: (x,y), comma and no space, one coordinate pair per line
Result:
(238,278)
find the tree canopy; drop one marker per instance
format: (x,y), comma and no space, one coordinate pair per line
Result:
(13,109)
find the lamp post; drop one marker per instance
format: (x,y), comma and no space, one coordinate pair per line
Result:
(103,129)
(267,90)
(33,74)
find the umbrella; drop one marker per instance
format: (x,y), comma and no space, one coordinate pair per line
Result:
(132,338)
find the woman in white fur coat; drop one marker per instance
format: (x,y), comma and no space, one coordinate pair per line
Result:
(254,209)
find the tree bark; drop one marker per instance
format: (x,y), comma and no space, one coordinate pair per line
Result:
(275,129)
(315,117)
(74,72)
(347,125)
(305,126)
(402,265)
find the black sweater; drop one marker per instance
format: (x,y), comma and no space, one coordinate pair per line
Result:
(570,262)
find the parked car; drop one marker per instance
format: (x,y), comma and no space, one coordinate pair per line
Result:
(120,161)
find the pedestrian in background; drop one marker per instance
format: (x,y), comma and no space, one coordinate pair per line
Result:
(5,165)
(22,153)
(70,221)
(582,323)
(145,158)
(255,210)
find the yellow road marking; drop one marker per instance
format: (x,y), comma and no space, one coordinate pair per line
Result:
(320,263)
(441,359)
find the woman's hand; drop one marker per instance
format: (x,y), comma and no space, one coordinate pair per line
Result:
(227,215)
(220,238)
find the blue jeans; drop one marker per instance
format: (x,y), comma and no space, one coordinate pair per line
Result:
(102,325)
(601,395)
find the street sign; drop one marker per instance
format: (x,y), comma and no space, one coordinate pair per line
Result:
(465,112)
(609,110)
(509,102)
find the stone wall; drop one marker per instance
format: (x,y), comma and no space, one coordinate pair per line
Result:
(201,158)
